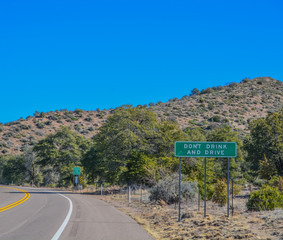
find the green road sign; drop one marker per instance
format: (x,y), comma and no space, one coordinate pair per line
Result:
(206,149)
(76,171)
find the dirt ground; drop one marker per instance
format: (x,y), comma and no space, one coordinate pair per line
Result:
(161,220)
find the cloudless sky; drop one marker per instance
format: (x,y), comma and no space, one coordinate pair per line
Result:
(66,54)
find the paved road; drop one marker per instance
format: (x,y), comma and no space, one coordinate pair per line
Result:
(41,216)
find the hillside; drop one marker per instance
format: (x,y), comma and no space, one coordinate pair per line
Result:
(235,104)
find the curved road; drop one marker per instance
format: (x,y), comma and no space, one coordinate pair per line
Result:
(41,215)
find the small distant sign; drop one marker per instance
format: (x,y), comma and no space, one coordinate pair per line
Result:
(206,149)
(76,171)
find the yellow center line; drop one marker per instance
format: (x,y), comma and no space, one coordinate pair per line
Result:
(26,197)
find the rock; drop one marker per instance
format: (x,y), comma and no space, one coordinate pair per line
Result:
(187,215)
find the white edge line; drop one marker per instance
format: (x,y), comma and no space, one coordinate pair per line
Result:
(64,224)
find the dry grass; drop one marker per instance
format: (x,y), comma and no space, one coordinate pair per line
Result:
(161,221)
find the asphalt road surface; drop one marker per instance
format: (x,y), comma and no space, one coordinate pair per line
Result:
(43,214)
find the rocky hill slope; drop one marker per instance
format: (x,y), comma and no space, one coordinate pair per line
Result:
(235,104)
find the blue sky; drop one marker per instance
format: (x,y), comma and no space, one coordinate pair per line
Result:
(102,54)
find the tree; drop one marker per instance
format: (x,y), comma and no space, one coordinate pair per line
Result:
(61,151)
(193,167)
(195,91)
(195,134)
(266,168)
(94,166)
(13,170)
(266,141)
(131,139)
(225,134)
(32,169)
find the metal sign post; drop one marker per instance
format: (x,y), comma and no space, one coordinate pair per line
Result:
(204,187)
(130,195)
(227,187)
(76,174)
(179,217)
(232,197)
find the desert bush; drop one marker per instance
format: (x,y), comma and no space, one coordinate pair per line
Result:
(245,80)
(48,123)
(276,182)
(77,127)
(8,134)
(24,126)
(168,190)
(237,188)
(40,125)
(232,84)
(215,118)
(36,114)
(88,119)
(195,91)
(11,123)
(53,117)
(39,133)
(84,131)
(78,111)
(210,106)
(267,198)
(90,129)
(225,120)
(100,114)
(208,90)
(220,193)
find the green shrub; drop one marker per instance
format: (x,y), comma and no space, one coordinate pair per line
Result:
(220,193)
(40,125)
(88,119)
(258,181)
(209,190)
(208,90)
(78,111)
(245,80)
(100,115)
(276,182)
(195,91)
(168,190)
(237,188)
(225,120)
(267,198)
(215,118)
(210,106)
